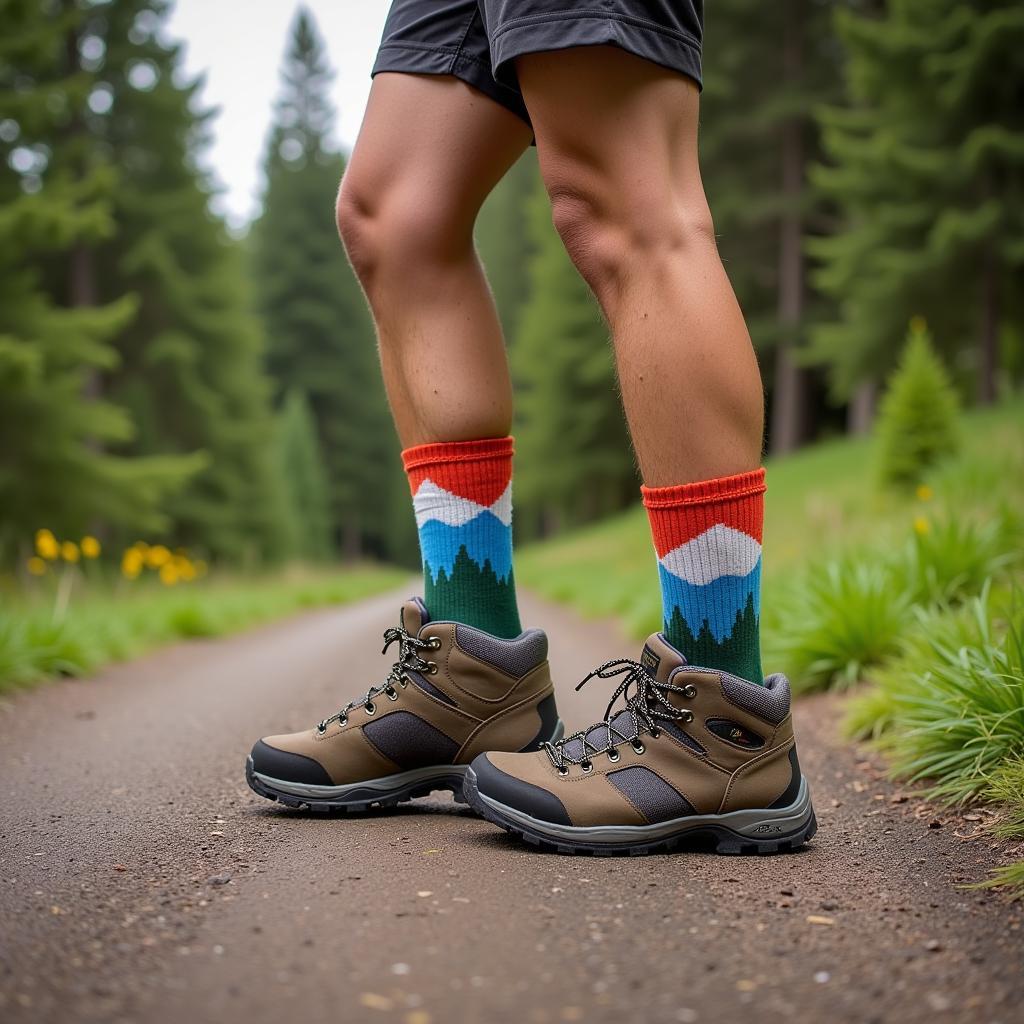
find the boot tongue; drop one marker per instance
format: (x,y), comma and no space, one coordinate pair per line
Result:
(414,616)
(660,658)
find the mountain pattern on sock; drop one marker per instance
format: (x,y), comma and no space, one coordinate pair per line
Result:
(707,537)
(462,498)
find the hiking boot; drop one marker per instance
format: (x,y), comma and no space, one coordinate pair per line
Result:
(454,692)
(693,754)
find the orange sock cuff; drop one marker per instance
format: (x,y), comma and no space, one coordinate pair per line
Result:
(703,492)
(422,455)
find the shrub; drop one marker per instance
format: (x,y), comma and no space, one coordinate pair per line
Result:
(917,423)
(839,621)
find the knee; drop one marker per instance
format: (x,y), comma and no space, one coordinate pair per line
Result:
(612,231)
(358,227)
(398,227)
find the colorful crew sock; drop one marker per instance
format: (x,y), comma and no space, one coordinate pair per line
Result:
(462,497)
(707,536)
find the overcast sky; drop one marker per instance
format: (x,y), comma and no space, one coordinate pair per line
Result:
(238,44)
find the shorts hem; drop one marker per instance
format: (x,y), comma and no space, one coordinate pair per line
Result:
(415,59)
(674,50)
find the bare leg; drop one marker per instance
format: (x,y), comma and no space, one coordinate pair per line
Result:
(617,141)
(429,152)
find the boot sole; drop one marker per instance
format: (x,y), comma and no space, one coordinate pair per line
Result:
(360,796)
(387,791)
(755,831)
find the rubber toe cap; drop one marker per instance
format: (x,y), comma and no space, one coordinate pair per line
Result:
(288,767)
(515,793)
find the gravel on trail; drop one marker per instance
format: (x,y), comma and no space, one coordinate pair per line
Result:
(142,881)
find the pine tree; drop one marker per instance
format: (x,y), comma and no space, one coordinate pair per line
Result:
(191,360)
(60,438)
(574,458)
(305,484)
(917,423)
(926,170)
(321,341)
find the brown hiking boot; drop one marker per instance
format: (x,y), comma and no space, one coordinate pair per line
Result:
(694,754)
(454,692)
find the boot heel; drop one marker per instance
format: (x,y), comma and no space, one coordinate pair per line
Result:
(737,845)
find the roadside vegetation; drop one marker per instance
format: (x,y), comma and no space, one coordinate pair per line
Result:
(104,619)
(907,584)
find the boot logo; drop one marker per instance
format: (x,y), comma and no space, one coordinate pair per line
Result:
(735,733)
(765,827)
(650,660)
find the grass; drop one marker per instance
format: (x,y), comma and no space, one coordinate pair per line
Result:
(107,623)
(954,703)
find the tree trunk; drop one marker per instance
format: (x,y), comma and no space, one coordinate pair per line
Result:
(988,338)
(789,395)
(351,542)
(860,413)
(81,270)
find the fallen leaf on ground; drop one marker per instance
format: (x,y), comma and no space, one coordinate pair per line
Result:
(375,1002)
(819,919)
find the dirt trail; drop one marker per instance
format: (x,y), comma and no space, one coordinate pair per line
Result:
(143,881)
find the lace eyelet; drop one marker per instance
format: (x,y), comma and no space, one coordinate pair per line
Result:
(321,728)
(370,708)
(343,721)
(432,668)
(687,716)
(689,691)
(563,770)
(613,755)
(638,747)
(435,643)
(587,766)
(655,733)
(392,694)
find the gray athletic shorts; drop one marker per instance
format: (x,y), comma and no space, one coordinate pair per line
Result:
(478,40)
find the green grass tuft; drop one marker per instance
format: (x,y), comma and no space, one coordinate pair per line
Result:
(841,622)
(958,708)
(1010,878)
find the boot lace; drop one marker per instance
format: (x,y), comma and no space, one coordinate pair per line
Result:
(646,704)
(408,661)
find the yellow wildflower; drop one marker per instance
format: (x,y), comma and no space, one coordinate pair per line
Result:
(46,545)
(186,570)
(157,556)
(131,564)
(168,574)
(69,551)
(90,547)
(921,525)
(36,566)
(924,492)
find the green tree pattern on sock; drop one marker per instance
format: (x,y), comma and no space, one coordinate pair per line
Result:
(738,652)
(473,594)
